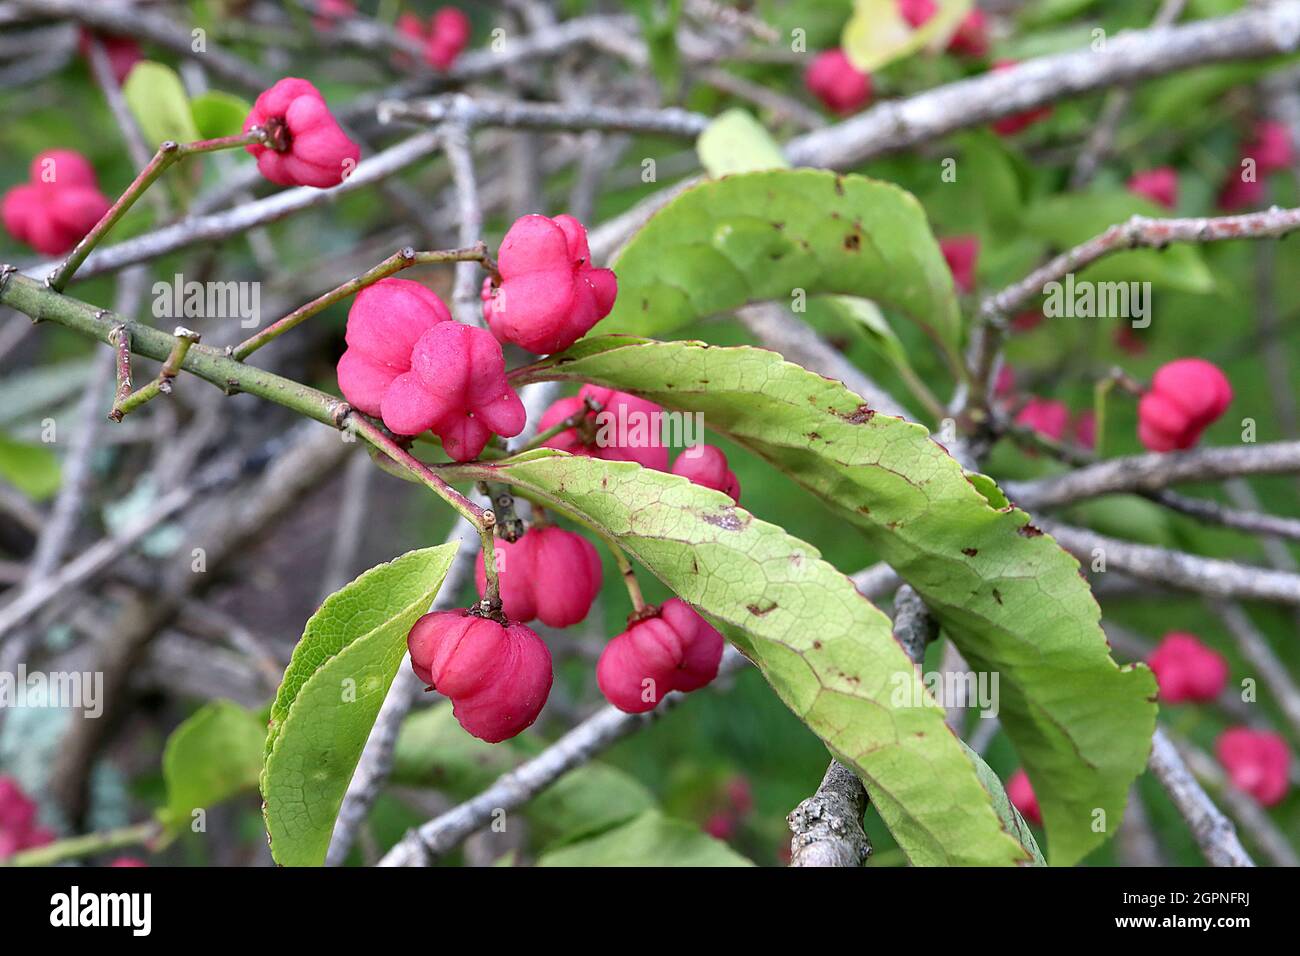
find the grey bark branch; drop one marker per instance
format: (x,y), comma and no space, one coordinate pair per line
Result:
(1190,572)
(1213,832)
(517,114)
(827,827)
(1156,471)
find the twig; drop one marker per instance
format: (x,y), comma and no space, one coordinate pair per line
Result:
(516,114)
(89,844)
(512,790)
(402,259)
(466,304)
(1213,832)
(1257,651)
(1209,576)
(1156,471)
(350,527)
(162,385)
(1252,522)
(1102,137)
(827,827)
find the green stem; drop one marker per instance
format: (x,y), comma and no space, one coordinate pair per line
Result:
(169,153)
(90,844)
(402,259)
(162,385)
(1100,392)
(42,304)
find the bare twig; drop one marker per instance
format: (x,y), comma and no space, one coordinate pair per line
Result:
(1269,668)
(1210,576)
(1214,833)
(1156,471)
(827,827)
(516,114)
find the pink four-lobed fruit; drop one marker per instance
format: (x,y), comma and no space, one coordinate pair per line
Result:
(549,574)
(841,86)
(1186,396)
(675,649)
(448,36)
(706,465)
(1160,185)
(1046,416)
(410,364)
(1257,762)
(549,295)
(1270,147)
(57,206)
(309,147)
(497,676)
(961,253)
(625,429)
(1187,670)
(18,827)
(1021,794)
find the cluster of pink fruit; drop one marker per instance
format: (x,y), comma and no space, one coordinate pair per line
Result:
(18,827)
(1187,671)
(409,363)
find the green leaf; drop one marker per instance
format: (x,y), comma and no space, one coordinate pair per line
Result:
(1010,598)
(433,750)
(760,236)
(590,800)
(217,114)
(1068,220)
(651,839)
(158,102)
(1011,819)
(828,653)
(32,469)
(877,35)
(332,689)
(735,142)
(214,755)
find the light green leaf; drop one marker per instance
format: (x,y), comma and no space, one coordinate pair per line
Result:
(1011,819)
(32,469)
(591,799)
(217,114)
(877,35)
(214,755)
(335,682)
(1067,220)
(651,839)
(1011,599)
(735,142)
(827,652)
(763,236)
(158,102)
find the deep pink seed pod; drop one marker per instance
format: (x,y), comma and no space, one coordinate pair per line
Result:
(1186,397)
(676,650)
(841,86)
(550,574)
(57,206)
(549,295)
(1160,185)
(706,465)
(496,676)
(627,428)
(317,152)
(448,35)
(1021,794)
(1257,762)
(1046,416)
(18,827)
(1187,670)
(961,253)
